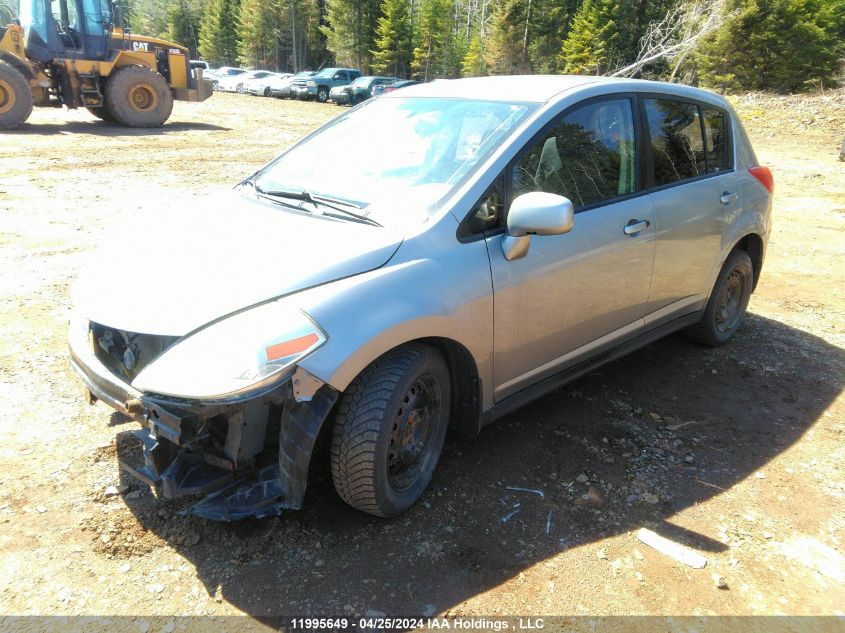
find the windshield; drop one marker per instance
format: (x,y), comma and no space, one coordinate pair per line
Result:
(396,150)
(326,72)
(361,81)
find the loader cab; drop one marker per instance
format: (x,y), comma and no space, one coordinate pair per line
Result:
(70,29)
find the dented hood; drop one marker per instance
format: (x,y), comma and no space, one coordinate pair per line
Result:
(177,270)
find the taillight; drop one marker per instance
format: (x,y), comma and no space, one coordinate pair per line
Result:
(764,175)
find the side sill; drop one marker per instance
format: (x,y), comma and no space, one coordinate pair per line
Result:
(521,398)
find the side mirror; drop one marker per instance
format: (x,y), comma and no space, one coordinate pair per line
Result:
(535,213)
(117,15)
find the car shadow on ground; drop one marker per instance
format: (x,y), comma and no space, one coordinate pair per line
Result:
(663,429)
(105,128)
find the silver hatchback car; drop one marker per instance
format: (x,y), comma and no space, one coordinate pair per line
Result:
(428,260)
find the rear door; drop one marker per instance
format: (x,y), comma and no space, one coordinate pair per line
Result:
(695,197)
(573,295)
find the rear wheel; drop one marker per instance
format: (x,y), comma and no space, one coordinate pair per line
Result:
(15,97)
(138,97)
(725,310)
(389,430)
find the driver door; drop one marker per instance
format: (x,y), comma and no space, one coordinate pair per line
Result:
(573,295)
(68,24)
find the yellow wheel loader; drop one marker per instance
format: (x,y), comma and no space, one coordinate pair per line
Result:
(74,53)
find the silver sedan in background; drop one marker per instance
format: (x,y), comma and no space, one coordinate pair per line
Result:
(260,86)
(430,260)
(280,86)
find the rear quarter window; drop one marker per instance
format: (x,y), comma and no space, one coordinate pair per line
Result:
(716,139)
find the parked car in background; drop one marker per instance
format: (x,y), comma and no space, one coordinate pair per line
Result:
(260,86)
(237,83)
(524,231)
(198,64)
(363,88)
(280,87)
(380,89)
(319,86)
(339,95)
(224,73)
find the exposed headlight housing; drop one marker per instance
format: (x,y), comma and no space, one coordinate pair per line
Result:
(238,355)
(310,82)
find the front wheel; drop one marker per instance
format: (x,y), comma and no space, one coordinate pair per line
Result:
(389,430)
(15,97)
(323,95)
(725,310)
(137,96)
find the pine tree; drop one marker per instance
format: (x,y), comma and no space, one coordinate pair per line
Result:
(473,64)
(146,17)
(508,51)
(300,43)
(183,24)
(351,31)
(219,32)
(393,44)
(596,41)
(256,33)
(438,52)
(785,45)
(550,23)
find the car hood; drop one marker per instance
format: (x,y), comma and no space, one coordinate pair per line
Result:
(178,270)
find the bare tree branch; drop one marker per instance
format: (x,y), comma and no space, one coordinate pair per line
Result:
(676,35)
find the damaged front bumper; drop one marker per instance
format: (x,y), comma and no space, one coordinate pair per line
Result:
(247,457)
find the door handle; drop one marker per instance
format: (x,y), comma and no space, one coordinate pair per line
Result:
(635,226)
(728,196)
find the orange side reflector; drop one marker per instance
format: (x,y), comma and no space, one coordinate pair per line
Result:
(288,348)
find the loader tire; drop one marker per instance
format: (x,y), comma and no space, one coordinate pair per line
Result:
(15,97)
(102,113)
(137,96)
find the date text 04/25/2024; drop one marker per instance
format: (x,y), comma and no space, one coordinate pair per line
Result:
(405,624)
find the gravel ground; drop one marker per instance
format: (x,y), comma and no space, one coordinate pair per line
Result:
(736,452)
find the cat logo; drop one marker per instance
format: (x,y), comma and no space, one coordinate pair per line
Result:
(143,47)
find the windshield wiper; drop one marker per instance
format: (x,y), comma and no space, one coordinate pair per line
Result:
(316,199)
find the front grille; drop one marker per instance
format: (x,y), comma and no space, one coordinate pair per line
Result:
(125,353)
(299,83)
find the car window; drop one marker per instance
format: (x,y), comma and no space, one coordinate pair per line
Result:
(413,150)
(715,139)
(589,156)
(489,213)
(677,145)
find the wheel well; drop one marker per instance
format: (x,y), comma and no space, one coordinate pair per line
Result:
(15,62)
(466,385)
(464,418)
(753,245)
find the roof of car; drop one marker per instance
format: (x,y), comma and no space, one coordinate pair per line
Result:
(536,88)
(530,88)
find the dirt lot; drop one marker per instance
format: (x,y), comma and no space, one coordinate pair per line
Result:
(737,452)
